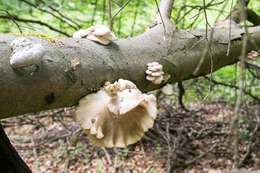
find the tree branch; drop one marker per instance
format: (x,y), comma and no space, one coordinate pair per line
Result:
(251,15)
(55,82)
(16,18)
(49,12)
(164,12)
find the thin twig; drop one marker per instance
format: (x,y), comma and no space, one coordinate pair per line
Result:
(159,11)
(201,155)
(7,12)
(235,87)
(249,145)
(121,9)
(234,126)
(206,18)
(48,12)
(107,155)
(110,15)
(229,32)
(34,149)
(16,18)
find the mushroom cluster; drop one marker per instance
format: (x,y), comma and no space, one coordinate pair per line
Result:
(118,115)
(98,33)
(252,56)
(154,72)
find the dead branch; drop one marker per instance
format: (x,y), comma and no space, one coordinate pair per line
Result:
(16,18)
(235,87)
(49,12)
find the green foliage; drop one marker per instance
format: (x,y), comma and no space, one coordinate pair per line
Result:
(131,21)
(151,170)
(159,149)
(124,153)
(99,168)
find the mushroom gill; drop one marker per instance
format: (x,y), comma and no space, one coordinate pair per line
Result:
(116,116)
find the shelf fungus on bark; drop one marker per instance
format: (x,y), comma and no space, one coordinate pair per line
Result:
(98,33)
(118,115)
(25,52)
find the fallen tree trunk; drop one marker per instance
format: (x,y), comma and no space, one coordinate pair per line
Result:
(55,82)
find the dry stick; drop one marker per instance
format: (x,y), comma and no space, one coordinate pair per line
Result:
(110,15)
(159,11)
(59,13)
(205,52)
(184,19)
(234,126)
(210,4)
(169,156)
(121,9)
(7,12)
(180,12)
(209,44)
(104,11)
(107,155)
(16,18)
(235,87)
(119,25)
(135,16)
(180,96)
(201,155)
(54,9)
(206,18)
(229,32)
(251,67)
(249,145)
(34,149)
(94,13)
(48,12)
(142,148)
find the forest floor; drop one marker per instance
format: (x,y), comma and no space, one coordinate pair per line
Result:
(194,141)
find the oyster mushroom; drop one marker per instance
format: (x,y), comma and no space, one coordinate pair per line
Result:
(98,33)
(116,116)
(154,72)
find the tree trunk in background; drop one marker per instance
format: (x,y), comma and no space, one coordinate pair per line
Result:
(55,82)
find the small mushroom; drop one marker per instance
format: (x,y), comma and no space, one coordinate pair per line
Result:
(118,115)
(155,72)
(98,33)
(252,57)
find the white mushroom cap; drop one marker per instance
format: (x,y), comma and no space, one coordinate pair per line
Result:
(118,120)
(126,84)
(81,33)
(101,30)
(98,33)
(101,40)
(155,79)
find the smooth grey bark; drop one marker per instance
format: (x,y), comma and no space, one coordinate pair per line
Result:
(54,83)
